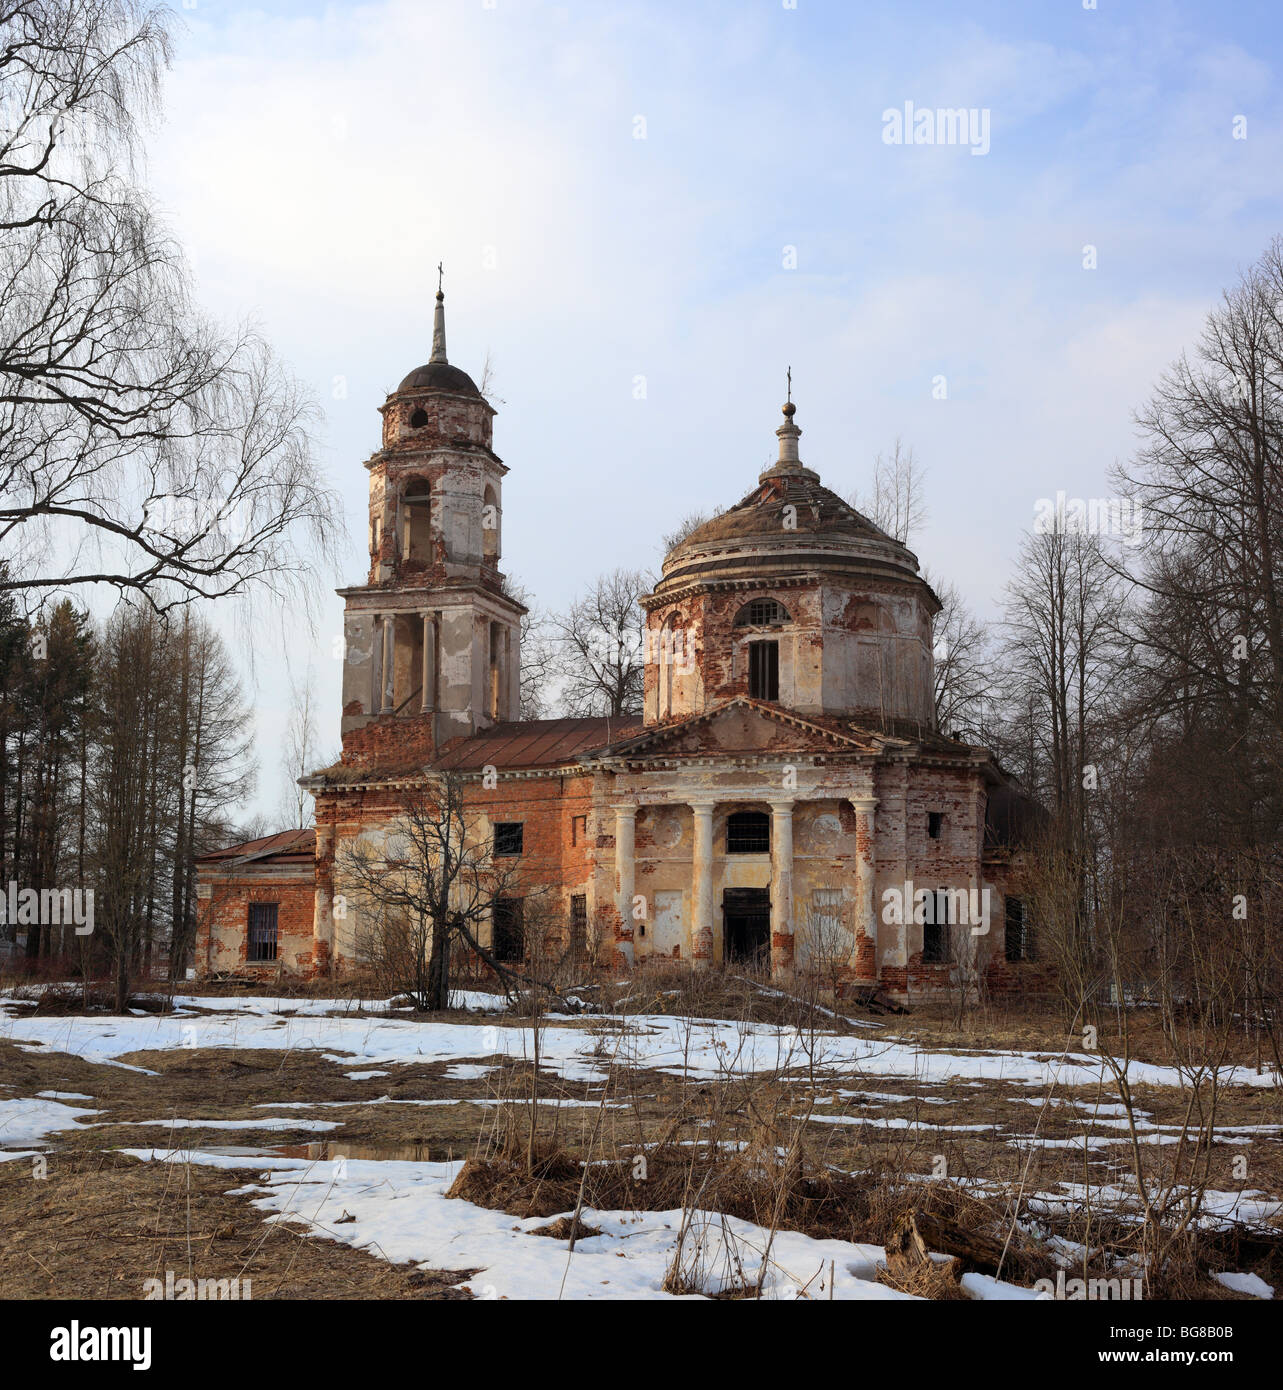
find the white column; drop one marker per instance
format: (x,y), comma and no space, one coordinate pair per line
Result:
(625,877)
(429,678)
(389,661)
(866,920)
(701,929)
(781,886)
(376,666)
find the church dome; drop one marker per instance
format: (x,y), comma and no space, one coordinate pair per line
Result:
(789,521)
(439,376)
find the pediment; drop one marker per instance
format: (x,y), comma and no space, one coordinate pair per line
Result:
(738,727)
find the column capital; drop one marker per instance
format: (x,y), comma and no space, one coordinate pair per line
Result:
(782,806)
(703,805)
(625,809)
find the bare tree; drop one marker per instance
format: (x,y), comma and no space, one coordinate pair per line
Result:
(133,680)
(538,657)
(1064,644)
(213,771)
(964,670)
(599,652)
(1210,481)
(299,752)
(896,503)
(427,890)
(141,446)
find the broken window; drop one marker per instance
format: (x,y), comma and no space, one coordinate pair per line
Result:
(935,824)
(507,941)
(418,419)
(509,836)
(748,832)
(1019,946)
(764,670)
(262,932)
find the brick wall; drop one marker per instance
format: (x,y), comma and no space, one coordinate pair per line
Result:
(222,935)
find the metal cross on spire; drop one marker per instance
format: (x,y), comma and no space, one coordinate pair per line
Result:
(790,377)
(438,320)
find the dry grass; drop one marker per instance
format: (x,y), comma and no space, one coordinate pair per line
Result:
(760,1147)
(101,1224)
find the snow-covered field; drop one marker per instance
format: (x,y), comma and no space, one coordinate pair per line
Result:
(398,1211)
(693,1048)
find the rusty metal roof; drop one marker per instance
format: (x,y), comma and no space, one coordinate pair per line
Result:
(530,743)
(284,842)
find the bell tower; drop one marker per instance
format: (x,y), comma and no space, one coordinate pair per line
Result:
(432,639)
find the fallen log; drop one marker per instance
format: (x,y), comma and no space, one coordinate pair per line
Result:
(919,1233)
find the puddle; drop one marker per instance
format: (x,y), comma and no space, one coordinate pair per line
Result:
(326,1150)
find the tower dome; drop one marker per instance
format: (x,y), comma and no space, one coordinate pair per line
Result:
(437,374)
(789,521)
(794,597)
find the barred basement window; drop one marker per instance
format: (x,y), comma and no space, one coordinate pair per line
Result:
(748,832)
(1019,945)
(507,942)
(764,670)
(509,837)
(262,932)
(935,930)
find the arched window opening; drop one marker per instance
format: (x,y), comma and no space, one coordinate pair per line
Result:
(495,663)
(416,520)
(490,526)
(748,832)
(418,419)
(762,612)
(668,654)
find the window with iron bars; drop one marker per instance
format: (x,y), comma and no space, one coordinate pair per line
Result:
(262,932)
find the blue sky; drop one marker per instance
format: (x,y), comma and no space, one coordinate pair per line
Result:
(319,160)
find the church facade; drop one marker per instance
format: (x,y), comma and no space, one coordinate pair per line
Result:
(783,799)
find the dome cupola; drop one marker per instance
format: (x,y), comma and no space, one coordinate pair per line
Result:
(792,596)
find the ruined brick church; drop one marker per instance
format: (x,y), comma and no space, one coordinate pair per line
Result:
(783,799)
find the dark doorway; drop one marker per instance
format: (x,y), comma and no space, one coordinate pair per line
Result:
(764,670)
(508,942)
(746,917)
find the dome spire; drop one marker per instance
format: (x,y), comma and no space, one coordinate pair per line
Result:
(438,321)
(788,433)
